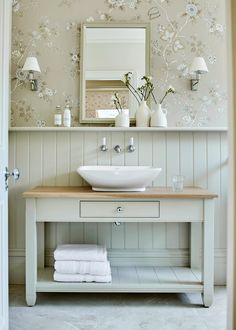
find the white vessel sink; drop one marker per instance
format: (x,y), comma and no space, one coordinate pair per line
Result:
(119,178)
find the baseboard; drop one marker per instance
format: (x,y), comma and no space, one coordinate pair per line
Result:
(120,257)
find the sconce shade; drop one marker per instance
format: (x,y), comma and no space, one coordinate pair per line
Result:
(198,66)
(31,64)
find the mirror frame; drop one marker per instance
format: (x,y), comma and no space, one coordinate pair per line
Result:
(84,26)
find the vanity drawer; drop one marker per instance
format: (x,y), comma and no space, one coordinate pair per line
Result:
(119,209)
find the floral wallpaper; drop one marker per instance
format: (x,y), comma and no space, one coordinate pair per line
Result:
(180,30)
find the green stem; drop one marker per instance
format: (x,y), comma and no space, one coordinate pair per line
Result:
(166,93)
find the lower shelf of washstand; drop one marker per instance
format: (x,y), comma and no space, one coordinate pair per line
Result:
(129,279)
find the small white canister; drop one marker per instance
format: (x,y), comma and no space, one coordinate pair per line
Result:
(122,119)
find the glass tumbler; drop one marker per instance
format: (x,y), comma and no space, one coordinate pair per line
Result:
(178,183)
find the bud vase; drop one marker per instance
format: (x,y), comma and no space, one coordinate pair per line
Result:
(158,117)
(143,115)
(122,119)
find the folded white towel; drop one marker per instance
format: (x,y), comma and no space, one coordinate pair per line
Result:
(80,278)
(83,267)
(81,252)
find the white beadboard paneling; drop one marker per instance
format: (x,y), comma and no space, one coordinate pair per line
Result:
(145,149)
(51,158)
(62,179)
(117,236)
(131,235)
(91,233)
(63,159)
(62,233)
(145,235)
(145,159)
(90,148)
(159,235)
(200,159)
(186,169)
(172,168)
(214,177)
(22,162)
(159,157)
(77,233)
(35,159)
(49,162)
(223,191)
(12,192)
(159,160)
(76,158)
(104,234)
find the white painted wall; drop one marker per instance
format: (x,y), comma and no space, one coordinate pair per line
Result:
(51,158)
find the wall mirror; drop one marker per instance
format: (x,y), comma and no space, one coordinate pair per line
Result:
(108,51)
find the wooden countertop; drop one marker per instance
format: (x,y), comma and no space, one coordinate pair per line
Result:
(87,192)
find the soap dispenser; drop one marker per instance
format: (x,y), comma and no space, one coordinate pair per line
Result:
(67,116)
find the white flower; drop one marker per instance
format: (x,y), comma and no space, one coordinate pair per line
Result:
(167,36)
(90,19)
(36,35)
(116,3)
(48,91)
(16,53)
(149,78)
(183,69)
(219,28)
(177,45)
(187,119)
(212,59)
(102,17)
(171,89)
(74,57)
(40,95)
(191,10)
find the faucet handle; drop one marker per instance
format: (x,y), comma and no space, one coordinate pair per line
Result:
(131,147)
(104,144)
(117,148)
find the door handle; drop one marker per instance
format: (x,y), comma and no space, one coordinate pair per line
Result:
(15,173)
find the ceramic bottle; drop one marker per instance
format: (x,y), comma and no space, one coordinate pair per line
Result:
(158,117)
(143,115)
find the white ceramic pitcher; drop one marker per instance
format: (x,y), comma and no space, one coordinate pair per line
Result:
(158,117)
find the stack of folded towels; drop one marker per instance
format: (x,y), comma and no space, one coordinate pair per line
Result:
(81,263)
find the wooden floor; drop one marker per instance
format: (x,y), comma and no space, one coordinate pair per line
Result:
(130,279)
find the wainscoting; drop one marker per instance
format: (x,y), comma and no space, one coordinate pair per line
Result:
(51,158)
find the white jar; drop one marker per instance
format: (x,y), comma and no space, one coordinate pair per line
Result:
(122,119)
(67,116)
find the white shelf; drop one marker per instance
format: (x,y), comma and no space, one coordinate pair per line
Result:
(129,279)
(117,129)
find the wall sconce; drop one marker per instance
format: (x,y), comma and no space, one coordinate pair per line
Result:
(197,67)
(31,65)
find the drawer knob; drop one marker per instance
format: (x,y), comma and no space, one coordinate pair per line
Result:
(119,209)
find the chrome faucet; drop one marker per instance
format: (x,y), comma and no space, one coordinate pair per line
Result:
(117,148)
(104,144)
